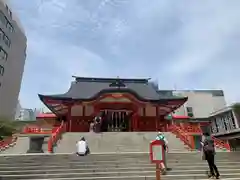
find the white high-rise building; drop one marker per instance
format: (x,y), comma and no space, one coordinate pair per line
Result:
(12,60)
(200,103)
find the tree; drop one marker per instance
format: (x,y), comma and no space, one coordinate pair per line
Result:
(7,127)
(236,109)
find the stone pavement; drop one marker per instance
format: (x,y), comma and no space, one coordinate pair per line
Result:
(117,142)
(132,166)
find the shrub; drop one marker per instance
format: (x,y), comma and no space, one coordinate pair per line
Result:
(7,127)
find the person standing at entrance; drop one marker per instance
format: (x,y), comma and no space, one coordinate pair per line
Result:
(97,122)
(209,152)
(160,136)
(91,126)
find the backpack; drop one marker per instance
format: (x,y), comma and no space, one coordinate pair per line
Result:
(209,146)
(161,137)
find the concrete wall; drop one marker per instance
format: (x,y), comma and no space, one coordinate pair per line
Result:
(14,65)
(203,102)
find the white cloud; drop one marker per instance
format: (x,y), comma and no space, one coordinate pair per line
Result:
(204,32)
(193,44)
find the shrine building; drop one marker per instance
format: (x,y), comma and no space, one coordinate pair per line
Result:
(123,104)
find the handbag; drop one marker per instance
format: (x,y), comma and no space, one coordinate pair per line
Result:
(203,156)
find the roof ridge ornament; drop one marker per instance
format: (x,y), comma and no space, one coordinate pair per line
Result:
(118,83)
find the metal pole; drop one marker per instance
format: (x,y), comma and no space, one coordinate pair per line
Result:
(158,172)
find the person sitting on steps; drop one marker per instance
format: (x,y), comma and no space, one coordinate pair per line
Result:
(82,147)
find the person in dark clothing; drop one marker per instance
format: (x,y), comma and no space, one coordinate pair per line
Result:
(209,152)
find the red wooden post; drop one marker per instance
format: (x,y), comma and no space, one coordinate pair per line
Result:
(136,120)
(133,122)
(69,118)
(158,172)
(157,118)
(83,110)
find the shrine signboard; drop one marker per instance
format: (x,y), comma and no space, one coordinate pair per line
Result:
(157,155)
(157,151)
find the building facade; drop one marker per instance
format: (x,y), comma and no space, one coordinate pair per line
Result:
(201,103)
(26,115)
(224,121)
(225,125)
(118,104)
(12,60)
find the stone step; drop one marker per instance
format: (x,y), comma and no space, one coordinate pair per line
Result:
(98,175)
(66,167)
(170,177)
(106,163)
(83,171)
(106,160)
(185,166)
(11,167)
(117,155)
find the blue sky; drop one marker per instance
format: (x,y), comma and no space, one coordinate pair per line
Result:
(189,44)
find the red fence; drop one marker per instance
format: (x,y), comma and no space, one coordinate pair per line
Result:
(186,132)
(56,135)
(7,141)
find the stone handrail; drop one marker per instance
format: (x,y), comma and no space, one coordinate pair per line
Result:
(56,135)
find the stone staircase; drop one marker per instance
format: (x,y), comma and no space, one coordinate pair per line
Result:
(131,166)
(109,142)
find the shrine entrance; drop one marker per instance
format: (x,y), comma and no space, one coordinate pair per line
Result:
(116,120)
(117,116)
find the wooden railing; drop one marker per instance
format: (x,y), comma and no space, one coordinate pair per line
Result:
(221,144)
(56,135)
(7,142)
(182,135)
(186,132)
(192,129)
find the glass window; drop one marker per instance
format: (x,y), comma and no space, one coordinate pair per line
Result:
(9,27)
(2,19)
(190,111)
(232,119)
(7,7)
(1,34)
(6,40)
(3,54)
(1,70)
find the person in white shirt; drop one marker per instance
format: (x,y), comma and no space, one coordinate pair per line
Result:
(82,147)
(160,136)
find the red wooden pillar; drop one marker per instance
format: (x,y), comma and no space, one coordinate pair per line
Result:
(84,119)
(134,122)
(69,118)
(157,118)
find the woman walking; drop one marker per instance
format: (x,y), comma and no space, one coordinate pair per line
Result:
(209,153)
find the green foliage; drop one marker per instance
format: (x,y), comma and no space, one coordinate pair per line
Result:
(7,127)
(236,109)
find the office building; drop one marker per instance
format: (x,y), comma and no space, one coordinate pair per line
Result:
(201,103)
(12,60)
